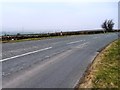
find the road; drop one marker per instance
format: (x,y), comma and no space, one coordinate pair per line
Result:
(50,63)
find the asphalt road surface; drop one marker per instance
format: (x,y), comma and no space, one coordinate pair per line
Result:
(50,63)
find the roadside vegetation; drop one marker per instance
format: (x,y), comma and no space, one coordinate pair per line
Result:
(107,27)
(104,71)
(28,37)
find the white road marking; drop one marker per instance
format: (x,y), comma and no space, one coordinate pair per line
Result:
(95,37)
(83,45)
(25,54)
(76,83)
(74,42)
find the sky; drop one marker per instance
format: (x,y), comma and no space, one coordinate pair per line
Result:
(119,15)
(56,15)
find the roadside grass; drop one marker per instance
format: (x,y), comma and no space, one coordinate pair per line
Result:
(21,40)
(107,71)
(31,39)
(104,72)
(48,37)
(42,38)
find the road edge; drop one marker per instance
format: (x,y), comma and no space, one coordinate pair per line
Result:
(89,67)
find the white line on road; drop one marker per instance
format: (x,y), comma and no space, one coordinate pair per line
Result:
(74,42)
(83,45)
(25,54)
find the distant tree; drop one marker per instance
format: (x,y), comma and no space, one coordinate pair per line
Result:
(108,25)
(18,34)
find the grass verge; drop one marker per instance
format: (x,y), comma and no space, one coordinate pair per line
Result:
(104,71)
(31,39)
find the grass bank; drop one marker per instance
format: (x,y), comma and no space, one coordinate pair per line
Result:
(104,71)
(31,39)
